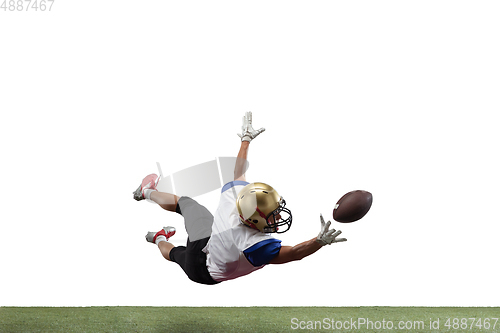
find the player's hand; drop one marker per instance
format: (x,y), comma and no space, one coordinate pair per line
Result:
(327,237)
(247,131)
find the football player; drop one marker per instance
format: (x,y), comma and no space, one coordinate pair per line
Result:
(238,239)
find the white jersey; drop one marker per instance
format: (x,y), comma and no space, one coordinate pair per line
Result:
(230,237)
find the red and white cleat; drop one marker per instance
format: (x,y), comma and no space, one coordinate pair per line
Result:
(166,231)
(149,182)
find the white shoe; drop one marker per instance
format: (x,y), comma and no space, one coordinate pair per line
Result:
(166,231)
(149,182)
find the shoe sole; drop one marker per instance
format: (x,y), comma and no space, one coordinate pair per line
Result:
(137,194)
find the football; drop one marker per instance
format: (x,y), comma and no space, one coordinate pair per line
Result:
(352,206)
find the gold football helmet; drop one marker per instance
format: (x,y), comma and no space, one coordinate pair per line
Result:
(262,208)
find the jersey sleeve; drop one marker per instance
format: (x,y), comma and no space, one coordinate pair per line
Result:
(233,184)
(263,252)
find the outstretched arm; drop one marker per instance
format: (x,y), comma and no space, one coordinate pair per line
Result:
(302,250)
(241,161)
(297,252)
(246,136)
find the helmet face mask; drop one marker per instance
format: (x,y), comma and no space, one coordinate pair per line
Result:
(278,219)
(262,208)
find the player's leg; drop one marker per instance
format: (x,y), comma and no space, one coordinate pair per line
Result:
(165,248)
(166,201)
(197,219)
(147,190)
(161,238)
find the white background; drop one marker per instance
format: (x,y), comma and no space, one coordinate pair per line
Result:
(394,97)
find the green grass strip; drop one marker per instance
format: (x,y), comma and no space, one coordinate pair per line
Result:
(251,319)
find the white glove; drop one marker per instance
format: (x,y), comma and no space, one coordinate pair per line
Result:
(248,133)
(327,237)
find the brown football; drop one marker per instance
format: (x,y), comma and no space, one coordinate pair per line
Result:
(352,206)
